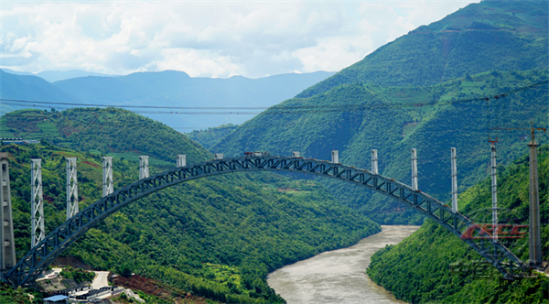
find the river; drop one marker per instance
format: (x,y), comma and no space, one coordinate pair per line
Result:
(338,276)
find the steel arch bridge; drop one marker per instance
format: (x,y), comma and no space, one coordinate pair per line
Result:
(43,254)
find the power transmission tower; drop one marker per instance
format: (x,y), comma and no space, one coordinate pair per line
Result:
(37,203)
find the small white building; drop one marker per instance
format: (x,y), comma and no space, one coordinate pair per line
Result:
(59,299)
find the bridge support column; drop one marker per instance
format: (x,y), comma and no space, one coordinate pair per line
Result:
(37,203)
(72,188)
(143,167)
(181,160)
(374,162)
(108,183)
(414,170)
(494,192)
(335,157)
(7,246)
(454,182)
(535,231)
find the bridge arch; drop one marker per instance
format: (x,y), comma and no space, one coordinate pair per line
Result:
(45,252)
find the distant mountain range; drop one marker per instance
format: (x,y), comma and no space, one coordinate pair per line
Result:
(52,76)
(162,89)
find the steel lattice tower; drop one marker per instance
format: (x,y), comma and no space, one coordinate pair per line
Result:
(108,184)
(7,247)
(72,188)
(37,203)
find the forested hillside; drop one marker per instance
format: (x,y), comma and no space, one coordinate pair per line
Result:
(216,237)
(418,269)
(356,118)
(211,136)
(502,35)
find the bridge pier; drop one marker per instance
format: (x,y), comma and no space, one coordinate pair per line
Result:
(37,203)
(535,255)
(335,157)
(374,162)
(143,167)
(454,182)
(7,245)
(108,183)
(72,188)
(181,160)
(494,192)
(414,170)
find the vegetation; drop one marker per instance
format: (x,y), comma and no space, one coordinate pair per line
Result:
(78,275)
(208,138)
(490,35)
(356,118)
(8,295)
(216,238)
(418,269)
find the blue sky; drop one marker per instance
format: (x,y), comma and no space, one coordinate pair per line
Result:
(205,38)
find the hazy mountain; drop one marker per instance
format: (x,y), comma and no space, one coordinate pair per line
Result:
(30,88)
(177,89)
(16,72)
(53,76)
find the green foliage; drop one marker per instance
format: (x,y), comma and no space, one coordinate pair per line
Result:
(8,295)
(78,275)
(217,237)
(417,270)
(478,38)
(208,138)
(394,120)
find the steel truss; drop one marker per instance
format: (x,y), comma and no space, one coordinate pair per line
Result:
(61,238)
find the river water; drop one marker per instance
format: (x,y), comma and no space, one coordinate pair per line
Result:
(338,276)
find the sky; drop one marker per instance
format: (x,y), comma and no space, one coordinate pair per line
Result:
(205,38)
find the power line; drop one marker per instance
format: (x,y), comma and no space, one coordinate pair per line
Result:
(336,107)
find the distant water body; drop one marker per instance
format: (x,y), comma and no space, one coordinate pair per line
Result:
(338,276)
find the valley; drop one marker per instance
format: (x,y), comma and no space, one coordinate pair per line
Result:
(297,187)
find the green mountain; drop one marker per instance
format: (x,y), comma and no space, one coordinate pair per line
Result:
(418,269)
(177,89)
(215,237)
(356,118)
(502,35)
(211,136)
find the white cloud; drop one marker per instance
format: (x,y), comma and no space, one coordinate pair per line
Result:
(205,39)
